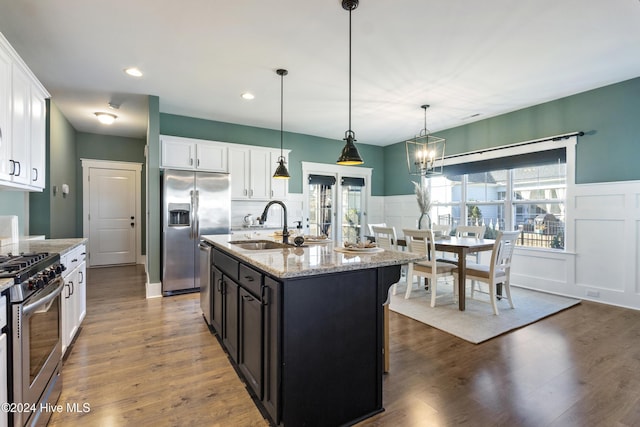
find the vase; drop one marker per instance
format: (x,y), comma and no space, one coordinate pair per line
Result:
(428,221)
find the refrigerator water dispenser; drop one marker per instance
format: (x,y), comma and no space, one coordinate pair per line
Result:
(179,214)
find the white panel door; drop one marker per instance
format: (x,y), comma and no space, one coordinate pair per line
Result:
(112,210)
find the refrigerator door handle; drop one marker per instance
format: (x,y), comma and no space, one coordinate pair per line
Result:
(193,215)
(196,208)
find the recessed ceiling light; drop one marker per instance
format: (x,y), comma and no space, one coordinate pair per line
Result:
(133,71)
(247,95)
(106,118)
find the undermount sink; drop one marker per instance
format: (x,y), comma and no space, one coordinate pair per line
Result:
(258,245)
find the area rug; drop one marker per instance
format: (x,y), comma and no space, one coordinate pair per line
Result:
(477,323)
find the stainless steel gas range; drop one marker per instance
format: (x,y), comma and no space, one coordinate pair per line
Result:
(35,331)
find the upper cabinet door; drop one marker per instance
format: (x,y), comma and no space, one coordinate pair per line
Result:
(212,157)
(38,140)
(177,153)
(20,126)
(239,171)
(5,121)
(260,174)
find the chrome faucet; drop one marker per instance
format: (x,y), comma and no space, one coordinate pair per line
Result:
(263,218)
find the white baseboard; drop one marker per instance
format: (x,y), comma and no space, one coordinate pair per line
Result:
(154,290)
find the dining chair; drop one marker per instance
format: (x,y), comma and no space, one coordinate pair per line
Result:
(422,242)
(476,231)
(382,224)
(387,239)
(498,270)
(441,229)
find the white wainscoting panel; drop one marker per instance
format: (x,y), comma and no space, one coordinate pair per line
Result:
(598,260)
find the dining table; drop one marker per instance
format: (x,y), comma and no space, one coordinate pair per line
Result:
(461,246)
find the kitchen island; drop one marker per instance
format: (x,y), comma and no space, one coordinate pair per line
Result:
(304,327)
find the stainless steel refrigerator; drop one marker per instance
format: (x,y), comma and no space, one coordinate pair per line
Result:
(193,204)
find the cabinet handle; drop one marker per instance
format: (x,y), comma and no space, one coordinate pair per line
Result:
(264,295)
(245,192)
(198,162)
(69,294)
(81,277)
(36,171)
(219,285)
(247,297)
(224,287)
(19,168)
(251,192)
(13,167)
(271,193)
(74,260)
(249,278)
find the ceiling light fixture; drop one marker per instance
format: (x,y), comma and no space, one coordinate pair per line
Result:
(350,155)
(247,96)
(281,170)
(133,71)
(106,118)
(425,152)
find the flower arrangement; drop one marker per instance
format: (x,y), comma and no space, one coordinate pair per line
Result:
(424,202)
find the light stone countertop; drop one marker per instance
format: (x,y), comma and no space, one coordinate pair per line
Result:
(314,259)
(60,246)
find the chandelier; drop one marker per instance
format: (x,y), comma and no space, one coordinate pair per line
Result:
(425,152)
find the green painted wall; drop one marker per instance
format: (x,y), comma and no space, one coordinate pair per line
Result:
(303,147)
(154,225)
(608,152)
(112,148)
(15,203)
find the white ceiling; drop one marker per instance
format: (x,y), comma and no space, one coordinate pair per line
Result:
(463,57)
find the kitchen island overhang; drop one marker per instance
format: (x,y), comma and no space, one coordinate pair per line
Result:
(322,334)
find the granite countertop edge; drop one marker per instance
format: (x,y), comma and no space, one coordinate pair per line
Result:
(295,262)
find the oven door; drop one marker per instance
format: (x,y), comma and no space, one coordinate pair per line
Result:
(37,348)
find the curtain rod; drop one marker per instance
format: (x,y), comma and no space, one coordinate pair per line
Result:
(517,144)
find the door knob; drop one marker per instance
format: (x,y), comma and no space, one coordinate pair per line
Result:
(132,218)
(133,224)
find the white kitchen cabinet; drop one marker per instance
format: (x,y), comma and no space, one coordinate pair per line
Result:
(252,170)
(74,294)
(5,115)
(193,154)
(38,139)
(22,123)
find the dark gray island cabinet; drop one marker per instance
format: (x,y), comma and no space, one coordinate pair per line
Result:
(308,342)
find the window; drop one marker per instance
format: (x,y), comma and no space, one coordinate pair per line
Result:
(530,199)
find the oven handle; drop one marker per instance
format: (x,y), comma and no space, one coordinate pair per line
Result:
(30,308)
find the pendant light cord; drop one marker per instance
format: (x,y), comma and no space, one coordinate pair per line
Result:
(282,111)
(350,131)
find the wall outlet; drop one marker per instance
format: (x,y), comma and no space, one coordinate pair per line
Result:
(594,294)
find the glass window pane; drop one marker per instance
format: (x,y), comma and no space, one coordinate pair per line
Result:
(487,186)
(445,189)
(546,182)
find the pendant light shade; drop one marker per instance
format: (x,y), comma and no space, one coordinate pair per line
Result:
(281,170)
(350,155)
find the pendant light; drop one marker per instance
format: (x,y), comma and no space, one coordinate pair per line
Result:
(350,155)
(425,152)
(281,170)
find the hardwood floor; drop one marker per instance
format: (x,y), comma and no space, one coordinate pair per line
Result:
(154,362)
